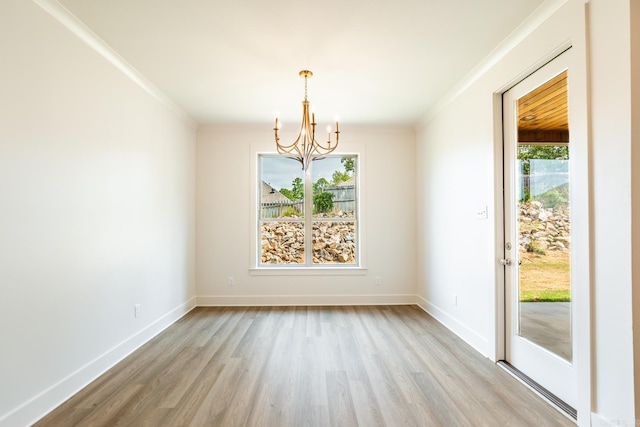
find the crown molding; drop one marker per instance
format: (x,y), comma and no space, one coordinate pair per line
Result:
(537,18)
(84,33)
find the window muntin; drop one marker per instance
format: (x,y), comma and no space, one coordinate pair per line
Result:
(327,194)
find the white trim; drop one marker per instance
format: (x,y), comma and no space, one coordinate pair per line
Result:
(538,17)
(308,271)
(47,400)
(84,33)
(304,300)
(554,373)
(258,149)
(498,345)
(600,421)
(468,335)
(581,202)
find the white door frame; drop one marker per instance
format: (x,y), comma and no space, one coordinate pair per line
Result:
(550,370)
(581,165)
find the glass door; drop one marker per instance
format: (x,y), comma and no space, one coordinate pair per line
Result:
(538,313)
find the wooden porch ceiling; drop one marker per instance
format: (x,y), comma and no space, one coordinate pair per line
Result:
(543,113)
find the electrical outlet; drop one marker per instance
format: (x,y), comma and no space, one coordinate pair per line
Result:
(378,280)
(137,310)
(230,281)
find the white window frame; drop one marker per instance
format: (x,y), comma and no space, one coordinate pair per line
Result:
(256,268)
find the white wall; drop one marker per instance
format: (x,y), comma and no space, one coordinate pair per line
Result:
(635,194)
(611,138)
(97,183)
(455,251)
(461,136)
(98,191)
(226,181)
(457,152)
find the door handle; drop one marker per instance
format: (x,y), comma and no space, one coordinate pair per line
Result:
(505,261)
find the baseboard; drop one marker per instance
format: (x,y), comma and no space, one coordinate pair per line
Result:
(285,300)
(43,403)
(454,325)
(600,421)
(34,409)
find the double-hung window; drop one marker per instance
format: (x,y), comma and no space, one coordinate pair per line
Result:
(308,219)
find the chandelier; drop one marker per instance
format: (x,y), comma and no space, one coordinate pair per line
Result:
(306,149)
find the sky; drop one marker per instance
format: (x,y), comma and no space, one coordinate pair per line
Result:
(279,171)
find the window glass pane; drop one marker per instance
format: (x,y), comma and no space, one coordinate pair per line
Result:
(334,242)
(334,187)
(281,189)
(282,242)
(331,187)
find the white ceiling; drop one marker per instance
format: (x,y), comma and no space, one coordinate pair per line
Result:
(238,61)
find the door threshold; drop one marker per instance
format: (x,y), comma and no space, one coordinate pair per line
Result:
(558,403)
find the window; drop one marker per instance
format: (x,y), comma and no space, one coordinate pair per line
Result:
(308,219)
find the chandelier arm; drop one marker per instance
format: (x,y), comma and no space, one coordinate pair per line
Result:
(290,149)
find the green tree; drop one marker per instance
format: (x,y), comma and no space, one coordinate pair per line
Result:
(319,185)
(349,164)
(527,152)
(339,176)
(297,191)
(556,197)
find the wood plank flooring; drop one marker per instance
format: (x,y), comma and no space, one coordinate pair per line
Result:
(305,366)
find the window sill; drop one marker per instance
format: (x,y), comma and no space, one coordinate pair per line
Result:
(308,271)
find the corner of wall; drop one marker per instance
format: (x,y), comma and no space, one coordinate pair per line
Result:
(47,400)
(478,342)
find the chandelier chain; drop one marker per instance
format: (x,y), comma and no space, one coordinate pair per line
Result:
(305,87)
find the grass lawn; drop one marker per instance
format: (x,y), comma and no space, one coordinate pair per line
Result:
(545,277)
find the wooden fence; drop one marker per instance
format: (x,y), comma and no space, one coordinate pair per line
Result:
(277,209)
(344,199)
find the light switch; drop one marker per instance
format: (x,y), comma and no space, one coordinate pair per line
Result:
(482,212)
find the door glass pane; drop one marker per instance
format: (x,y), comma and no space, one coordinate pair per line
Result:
(544,227)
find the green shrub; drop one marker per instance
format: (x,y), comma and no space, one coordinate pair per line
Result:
(556,197)
(290,211)
(323,202)
(535,248)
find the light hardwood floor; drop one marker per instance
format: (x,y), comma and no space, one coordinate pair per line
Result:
(306,366)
